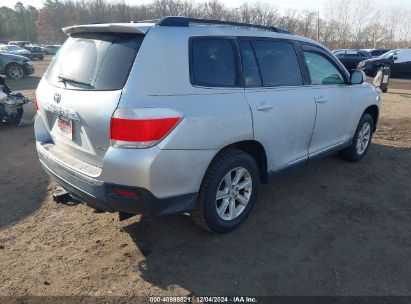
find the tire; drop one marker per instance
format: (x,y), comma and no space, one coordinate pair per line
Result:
(41,57)
(15,71)
(232,206)
(357,151)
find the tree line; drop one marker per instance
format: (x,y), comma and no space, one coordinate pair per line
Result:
(344,24)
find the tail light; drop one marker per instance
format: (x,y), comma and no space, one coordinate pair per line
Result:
(36,102)
(141,128)
(124,192)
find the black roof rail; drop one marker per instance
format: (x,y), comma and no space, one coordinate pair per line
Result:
(185,22)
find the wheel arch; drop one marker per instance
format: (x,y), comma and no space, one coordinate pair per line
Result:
(374,111)
(253,148)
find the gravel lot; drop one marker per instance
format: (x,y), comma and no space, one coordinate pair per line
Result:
(332,228)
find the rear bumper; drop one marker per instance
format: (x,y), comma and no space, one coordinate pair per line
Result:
(101,195)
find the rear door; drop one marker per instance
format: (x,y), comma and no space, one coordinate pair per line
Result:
(81,90)
(283,109)
(335,100)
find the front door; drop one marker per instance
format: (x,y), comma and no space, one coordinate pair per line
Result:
(334,99)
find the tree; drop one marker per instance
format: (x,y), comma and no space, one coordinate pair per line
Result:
(345,24)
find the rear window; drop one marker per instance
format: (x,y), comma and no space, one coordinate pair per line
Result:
(214,62)
(278,63)
(94,61)
(250,67)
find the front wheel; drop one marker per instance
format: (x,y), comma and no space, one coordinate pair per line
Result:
(228,192)
(14,71)
(361,141)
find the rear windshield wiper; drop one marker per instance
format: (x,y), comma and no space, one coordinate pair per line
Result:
(73,80)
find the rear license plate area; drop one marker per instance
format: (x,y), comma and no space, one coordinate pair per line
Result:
(65,126)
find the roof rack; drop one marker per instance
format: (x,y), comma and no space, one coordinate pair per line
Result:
(185,22)
(146,21)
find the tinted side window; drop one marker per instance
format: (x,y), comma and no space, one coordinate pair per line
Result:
(351,54)
(251,73)
(339,53)
(214,62)
(322,71)
(278,63)
(377,52)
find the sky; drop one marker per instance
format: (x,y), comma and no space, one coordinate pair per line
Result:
(313,5)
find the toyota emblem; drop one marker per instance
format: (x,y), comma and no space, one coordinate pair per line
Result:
(57,98)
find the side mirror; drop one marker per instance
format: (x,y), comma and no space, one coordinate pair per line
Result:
(394,58)
(357,77)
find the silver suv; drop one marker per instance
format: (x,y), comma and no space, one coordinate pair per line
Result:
(190,115)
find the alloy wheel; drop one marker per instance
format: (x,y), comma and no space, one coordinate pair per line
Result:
(16,72)
(233,193)
(363,138)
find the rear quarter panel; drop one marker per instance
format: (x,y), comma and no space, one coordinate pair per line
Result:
(212,117)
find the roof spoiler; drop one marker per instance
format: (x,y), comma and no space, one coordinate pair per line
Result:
(131,28)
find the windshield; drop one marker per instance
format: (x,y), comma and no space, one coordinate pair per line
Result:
(388,54)
(94,61)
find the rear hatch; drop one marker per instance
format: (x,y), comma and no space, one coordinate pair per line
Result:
(82,88)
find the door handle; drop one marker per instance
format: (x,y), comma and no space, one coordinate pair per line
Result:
(264,107)
(321,100)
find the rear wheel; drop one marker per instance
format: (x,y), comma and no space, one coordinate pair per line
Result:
(228,192)
(361,141)
(14,71)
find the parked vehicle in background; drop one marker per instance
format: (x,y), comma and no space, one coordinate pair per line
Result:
(19,43)
(15,50)
(15,108)
(50,49)
(351,58)
(237,105)
(377,52)
(35,50)
(15,66)
(399,61)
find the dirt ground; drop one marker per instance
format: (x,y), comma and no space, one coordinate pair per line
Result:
(332,228)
